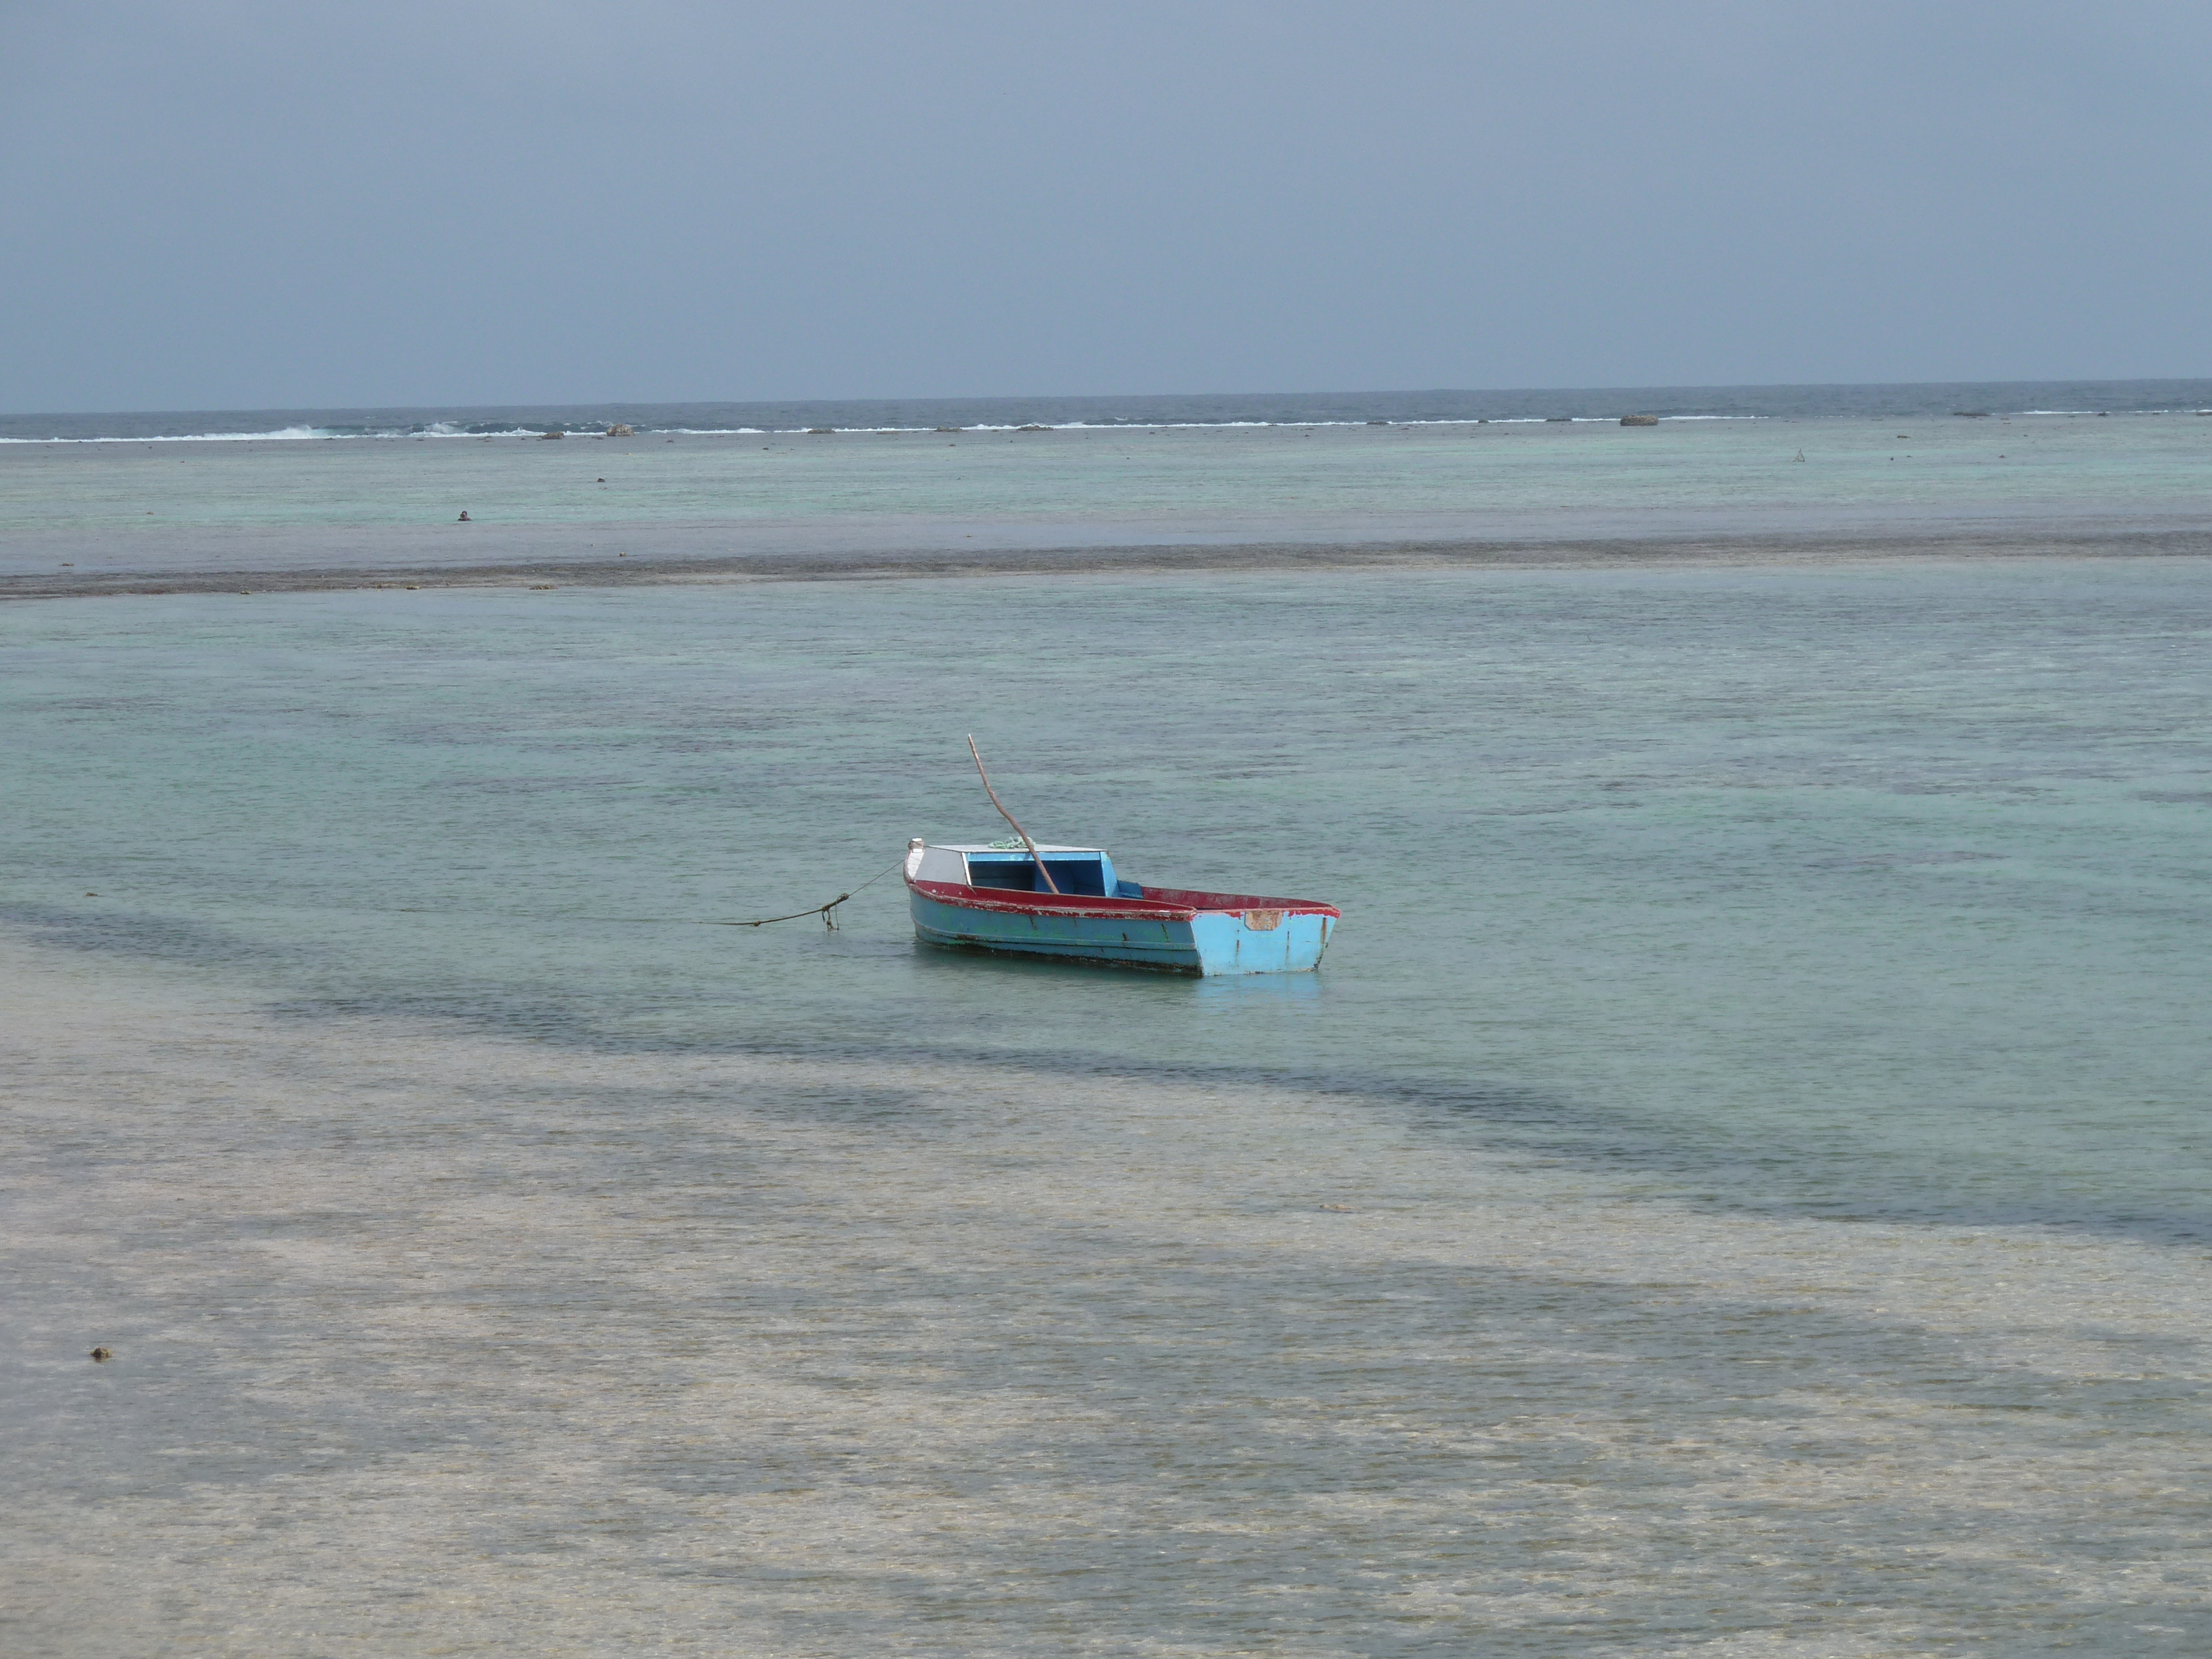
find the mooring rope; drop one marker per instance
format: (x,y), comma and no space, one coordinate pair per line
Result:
(822,910)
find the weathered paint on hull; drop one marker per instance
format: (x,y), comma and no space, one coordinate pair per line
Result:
(1207,943)
(1227,945)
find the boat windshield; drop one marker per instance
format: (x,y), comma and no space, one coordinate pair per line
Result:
(1078,874)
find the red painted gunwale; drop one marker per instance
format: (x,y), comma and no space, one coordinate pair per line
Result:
(1237,903)
(1158,903)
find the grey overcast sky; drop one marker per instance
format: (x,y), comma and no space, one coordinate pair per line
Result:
(215,205)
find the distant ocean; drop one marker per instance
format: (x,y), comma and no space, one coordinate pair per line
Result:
(1212,409)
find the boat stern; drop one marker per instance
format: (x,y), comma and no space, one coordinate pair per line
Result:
(1261,940)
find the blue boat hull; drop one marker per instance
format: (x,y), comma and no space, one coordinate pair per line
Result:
(1209,942)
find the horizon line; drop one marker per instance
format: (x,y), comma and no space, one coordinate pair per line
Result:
(1103,398)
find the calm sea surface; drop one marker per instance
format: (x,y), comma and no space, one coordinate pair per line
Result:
(1741,1182)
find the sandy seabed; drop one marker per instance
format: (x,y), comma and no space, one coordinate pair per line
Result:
(428,1341)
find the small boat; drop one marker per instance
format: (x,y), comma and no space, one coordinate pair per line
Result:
(1025,899)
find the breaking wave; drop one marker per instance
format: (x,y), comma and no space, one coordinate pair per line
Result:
(1225,411)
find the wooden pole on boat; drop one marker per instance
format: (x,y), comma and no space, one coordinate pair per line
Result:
(1049,883)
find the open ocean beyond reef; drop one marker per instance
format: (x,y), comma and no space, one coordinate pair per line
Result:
(1740,1185)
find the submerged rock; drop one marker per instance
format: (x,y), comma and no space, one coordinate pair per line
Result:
(554,433)
(1639,420)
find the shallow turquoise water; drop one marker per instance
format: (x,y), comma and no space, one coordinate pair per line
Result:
(160,506)
(1757,1093)
(1865,892)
